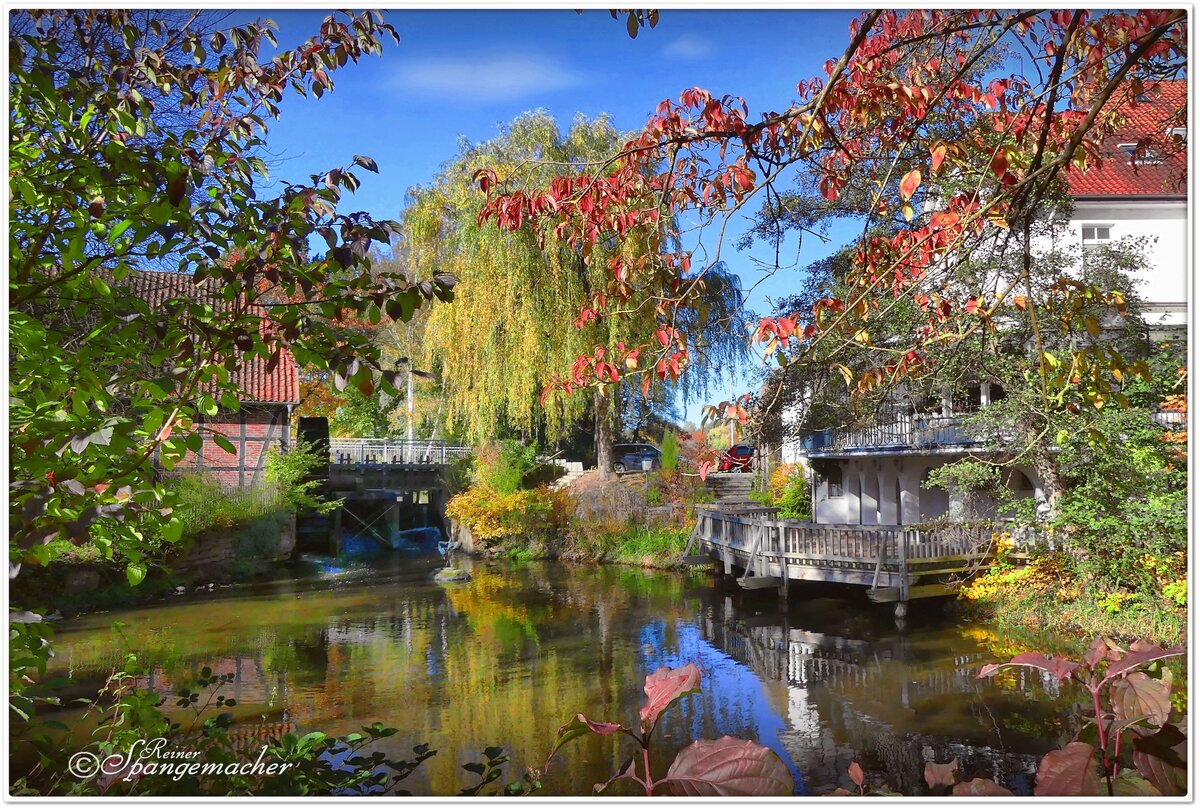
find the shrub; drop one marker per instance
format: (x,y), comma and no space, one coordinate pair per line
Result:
(670,452)
(533,514)
(502,466)
(790,492)
(457,474)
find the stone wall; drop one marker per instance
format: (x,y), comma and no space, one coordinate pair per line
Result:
(215,552)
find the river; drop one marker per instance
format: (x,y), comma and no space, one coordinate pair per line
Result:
(508,657)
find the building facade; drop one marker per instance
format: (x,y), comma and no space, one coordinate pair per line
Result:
(880,475)
(264,419)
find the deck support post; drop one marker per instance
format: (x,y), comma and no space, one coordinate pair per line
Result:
(335,538)
(879,559)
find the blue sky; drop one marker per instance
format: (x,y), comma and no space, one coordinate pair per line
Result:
(459,74)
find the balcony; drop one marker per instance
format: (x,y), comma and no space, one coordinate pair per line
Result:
(907,433)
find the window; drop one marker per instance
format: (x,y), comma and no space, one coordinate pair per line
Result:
(1178,134)
(833,482)
(968,400)
(1146,155)
(1095,237)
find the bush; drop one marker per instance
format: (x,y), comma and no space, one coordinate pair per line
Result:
(458,473)
(790,493)
(670,452)
(502,466)
(535,514)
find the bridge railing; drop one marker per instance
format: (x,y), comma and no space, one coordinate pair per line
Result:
(393,452)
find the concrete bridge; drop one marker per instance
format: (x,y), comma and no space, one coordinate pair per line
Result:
(384,483)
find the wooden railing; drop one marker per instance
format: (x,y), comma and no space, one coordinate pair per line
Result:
(393,452)
(876,555)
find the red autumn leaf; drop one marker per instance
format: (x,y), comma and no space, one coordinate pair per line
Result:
(1101,648)
(1060,667)
(728,767)
(1139,654)
(1000,165)
(937,156)
(665,686)
(942,774)
(704,468)
(910,184)
(486,179)
(856,773)
(1068,772)
(1138,694)
(581,726)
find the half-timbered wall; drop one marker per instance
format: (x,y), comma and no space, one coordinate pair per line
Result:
(252,431)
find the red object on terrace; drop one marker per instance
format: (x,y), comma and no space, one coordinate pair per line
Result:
(738,458)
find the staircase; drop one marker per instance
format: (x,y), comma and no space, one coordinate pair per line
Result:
(730,488)
(574,471)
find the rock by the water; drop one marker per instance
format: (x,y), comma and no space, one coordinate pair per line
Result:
(451,574)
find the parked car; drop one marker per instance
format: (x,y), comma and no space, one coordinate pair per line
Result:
(629,457)
(738,458)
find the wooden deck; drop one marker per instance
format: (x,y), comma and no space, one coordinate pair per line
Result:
(897,563)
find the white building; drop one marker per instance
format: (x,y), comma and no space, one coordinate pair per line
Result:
(878,475)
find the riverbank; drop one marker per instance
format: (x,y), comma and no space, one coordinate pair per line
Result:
(657,548)
(1085,616)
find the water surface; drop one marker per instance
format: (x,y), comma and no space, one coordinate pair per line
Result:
(510,656)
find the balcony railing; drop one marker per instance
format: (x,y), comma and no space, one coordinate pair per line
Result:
(910,432)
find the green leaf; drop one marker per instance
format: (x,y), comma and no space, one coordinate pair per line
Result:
(136,572)
(206,405)
(224,443)
(172,530)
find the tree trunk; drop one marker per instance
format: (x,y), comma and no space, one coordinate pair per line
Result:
(1044,463)
(602,401)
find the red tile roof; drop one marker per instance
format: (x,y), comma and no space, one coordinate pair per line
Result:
(1149,115)
(280,386)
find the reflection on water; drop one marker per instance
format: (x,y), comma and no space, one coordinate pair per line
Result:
(510,656)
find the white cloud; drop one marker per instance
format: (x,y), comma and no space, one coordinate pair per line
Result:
(689,47)
(504,77)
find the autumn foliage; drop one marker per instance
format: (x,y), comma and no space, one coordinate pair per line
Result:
(914,129)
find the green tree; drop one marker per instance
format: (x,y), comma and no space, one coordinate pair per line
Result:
(133,141)
(504,340)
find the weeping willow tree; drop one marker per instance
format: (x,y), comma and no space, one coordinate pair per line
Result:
(515,321)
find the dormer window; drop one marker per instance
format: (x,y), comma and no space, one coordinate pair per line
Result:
(1178,134)
(1145,156)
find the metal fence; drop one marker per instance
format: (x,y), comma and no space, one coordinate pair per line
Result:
(393,452)
(231,504)
(908,431)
